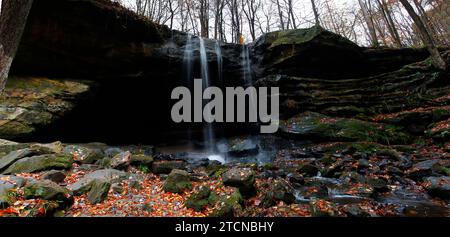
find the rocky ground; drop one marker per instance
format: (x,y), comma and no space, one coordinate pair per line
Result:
(326,179)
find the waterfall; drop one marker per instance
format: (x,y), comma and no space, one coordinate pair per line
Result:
(219,61)
(208,129)
(188,62)
(188,70)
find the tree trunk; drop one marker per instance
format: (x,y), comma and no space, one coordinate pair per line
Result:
(316,14)
(425,35)
(370,24)
(13,18)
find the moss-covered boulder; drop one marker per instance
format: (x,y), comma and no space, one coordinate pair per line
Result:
(317,126)
(40,163)
(279,190)
(178,181)
(201,198)
(84,185)
(46,190)
(229,205)
(8,185)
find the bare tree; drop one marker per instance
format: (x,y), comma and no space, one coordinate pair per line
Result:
(13,19)
(370,24)
(316,13)
(425,35)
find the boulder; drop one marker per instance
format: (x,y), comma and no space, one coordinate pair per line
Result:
(84,155)
(423,169)
(228,206)
(13,156)
(46,190)
(166,166)
(239,147)
(40,163)
(84,185)
(438,186)
(241,178)
(121,160)
(7,185)
(178,181)
(279,190)
(98,191)
(141,159)
(308,169)
(201,198)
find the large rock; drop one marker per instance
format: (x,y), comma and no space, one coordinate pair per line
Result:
(98,191)
(241,178)
(83,154)
(84,185)
(121,160)
(201,199)
(40,163)
(318,126)
(239,147)
(13,157)
(438,186)
(178,181)
(423,169)
(46,190)
(7,185)
(279,190)
(166,166)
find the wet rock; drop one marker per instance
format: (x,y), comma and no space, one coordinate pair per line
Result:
(229,205)
(363,164)
(47,190)
(84,155)
(239,147)
(308,170)
(333,169)
(296,179)
(166,166)
(438,186)
(40,163)
(241,178)
(279,190)
(178,181)
(121,160)
(83,185)
(98,191)
(201,198)
(378,185)
(354,210)
(423,169)
(317,126)
(54,176)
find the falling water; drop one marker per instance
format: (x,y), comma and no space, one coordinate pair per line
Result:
(208,129)
(219,61)
(188,61)
(188,68)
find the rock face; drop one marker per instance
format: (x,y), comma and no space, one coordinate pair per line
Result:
(142,62)
(318,53)
(314,125)
(31,103)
